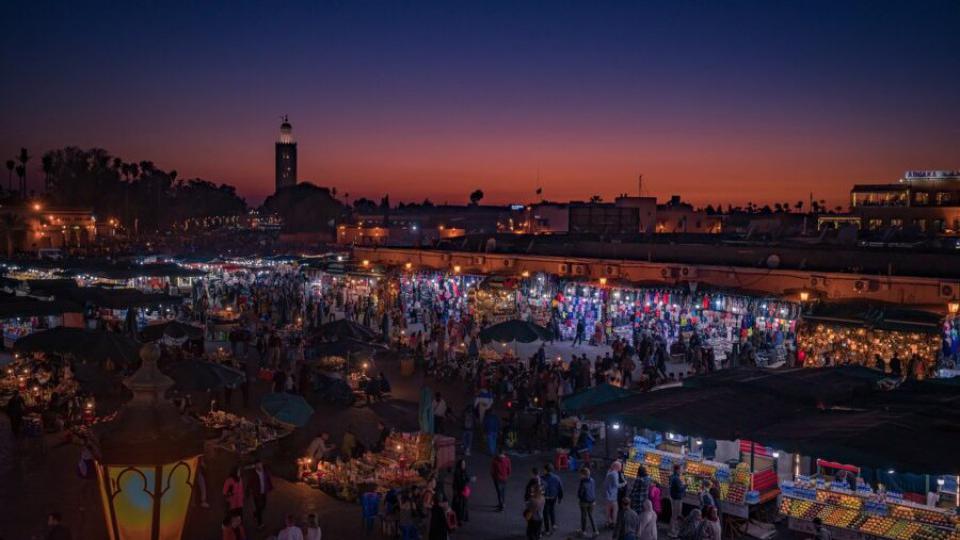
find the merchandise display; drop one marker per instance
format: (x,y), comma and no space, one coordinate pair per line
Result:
(866,512)
(405,461)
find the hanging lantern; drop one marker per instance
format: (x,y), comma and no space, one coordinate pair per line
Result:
(148,464)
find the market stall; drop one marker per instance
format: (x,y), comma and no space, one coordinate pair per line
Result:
(406,462)
(854,510)
(239,435)
(898,341)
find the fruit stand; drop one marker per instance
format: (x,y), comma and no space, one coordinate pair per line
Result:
(736,485)
(864,513)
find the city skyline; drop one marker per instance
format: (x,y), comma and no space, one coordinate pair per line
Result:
(722,105)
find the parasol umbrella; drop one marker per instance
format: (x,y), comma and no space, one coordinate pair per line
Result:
(343,328)
(425,415)
(198,375)
(287,408)
(98,345)
(173,330)
(515,330)
(92,378)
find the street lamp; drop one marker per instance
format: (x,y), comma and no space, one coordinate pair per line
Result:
(953,307)
(804,296)
(148,463)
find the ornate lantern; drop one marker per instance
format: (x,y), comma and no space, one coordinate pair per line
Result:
(148,463)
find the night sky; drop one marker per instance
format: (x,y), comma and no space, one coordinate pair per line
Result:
(718,101)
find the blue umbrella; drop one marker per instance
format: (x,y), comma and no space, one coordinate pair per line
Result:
(287,408)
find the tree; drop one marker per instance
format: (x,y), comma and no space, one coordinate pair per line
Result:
(709,210)
(10,165)
(476,197)
(799,206)
(47,166)
(778,207)
(23,158)
(22,176)
(596,199)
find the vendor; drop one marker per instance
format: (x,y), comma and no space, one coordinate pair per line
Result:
(320,449)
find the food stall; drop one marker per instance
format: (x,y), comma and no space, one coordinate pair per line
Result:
(406,461)
(239,435)
(740,488)
(863,513)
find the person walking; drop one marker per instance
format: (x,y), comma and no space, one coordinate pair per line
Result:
(313,528)
(469,424)
(232,528)
(532,483)
(628,522)
(581,333)
(439,526)
(641,490)
(291,531)
(491,427)
(533,513)
(647,529)
(692,528)
(677,491)
(233,492)
(587,497)
(500,471)
(259,485)
(552,494)
(612,484)
(711,528)
(461,491)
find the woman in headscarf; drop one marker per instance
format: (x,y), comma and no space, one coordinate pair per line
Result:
(692,528)
(648,522)
(461,491)
(711,525)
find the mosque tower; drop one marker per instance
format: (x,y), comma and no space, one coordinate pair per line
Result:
(286,154)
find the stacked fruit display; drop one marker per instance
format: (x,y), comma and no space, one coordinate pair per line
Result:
(927,532)
(631,468)
(700,469)
(841,517)
(876,525)
(733,492)
(903,530)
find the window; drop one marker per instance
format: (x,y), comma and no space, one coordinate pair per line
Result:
(921,198)
(937,226)
(944,198)
(896,223)
(921,224)
(875,224)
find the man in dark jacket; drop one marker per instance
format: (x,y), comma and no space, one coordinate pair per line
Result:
(259,485)
(552,494)
(677,490)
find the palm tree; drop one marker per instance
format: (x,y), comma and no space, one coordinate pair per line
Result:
(10,165)
(22,175)
(23,158)
(596,199)
(47,166)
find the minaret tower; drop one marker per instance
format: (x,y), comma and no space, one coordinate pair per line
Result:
(286,157)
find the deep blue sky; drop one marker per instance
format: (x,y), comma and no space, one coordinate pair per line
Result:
(719,101)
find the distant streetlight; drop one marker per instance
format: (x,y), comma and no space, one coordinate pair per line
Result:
(804,296)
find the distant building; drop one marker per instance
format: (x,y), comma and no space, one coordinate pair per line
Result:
(34,227)
(928,201)
(679,217)
(286,154)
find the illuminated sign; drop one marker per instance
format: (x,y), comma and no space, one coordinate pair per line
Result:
(931,175)
(516,207)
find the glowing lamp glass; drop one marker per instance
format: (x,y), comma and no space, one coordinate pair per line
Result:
(147,501)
